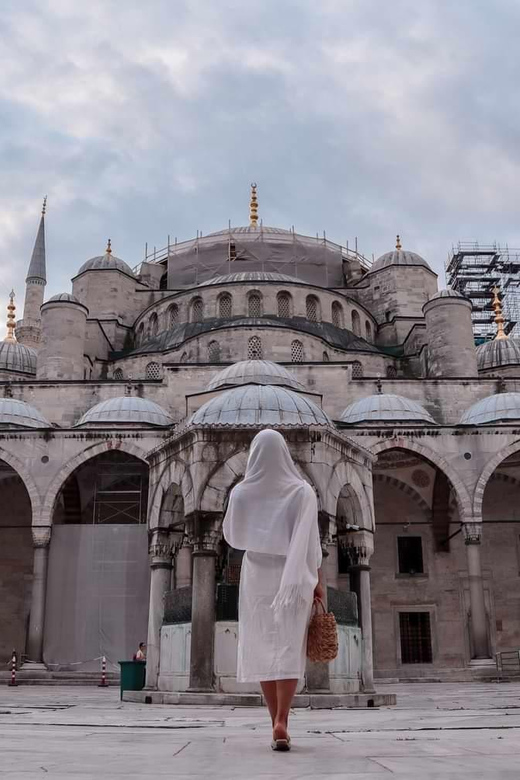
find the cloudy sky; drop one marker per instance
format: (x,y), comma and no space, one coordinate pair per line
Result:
(359,117)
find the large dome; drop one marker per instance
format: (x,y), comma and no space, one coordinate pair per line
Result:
(502,407)
(21,415)
(17,357)
(128,410)
(262,372)
(251,276)
(106,262)
(258,405)
(498,353)
(386,408)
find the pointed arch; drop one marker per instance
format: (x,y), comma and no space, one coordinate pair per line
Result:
(29,483)
(487,472)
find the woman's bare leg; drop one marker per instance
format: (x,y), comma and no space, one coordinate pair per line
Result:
(271,698)
(285,690)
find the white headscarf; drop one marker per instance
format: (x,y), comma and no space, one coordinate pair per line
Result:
(273,510)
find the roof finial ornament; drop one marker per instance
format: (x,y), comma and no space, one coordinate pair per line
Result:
(10,324)
(253,207)
(108,250)
(499,317)
(44,207)
(398,242)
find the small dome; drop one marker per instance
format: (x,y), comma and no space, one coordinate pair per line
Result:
(498,353)
(17,357)
(502,407)
(21,415)
(386,408)
(262,372)
(399,256)
(67,297)
(251,276)
(256,405)
(126,409)
(449,292)
(105,262)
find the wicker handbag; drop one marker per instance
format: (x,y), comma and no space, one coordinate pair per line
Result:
(322,639)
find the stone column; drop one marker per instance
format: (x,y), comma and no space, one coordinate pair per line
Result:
(360,547)
(183,567)
(204,536)
(160,584)
(317,674)
(478,617)
(41,540)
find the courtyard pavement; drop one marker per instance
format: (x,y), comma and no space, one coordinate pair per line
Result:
(436,731)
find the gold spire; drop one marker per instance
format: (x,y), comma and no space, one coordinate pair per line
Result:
(398,243)
(44,207)
(499,317)
(11,325)
(108,250)
(253,207)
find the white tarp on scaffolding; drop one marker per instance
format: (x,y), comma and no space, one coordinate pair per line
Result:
(97,595)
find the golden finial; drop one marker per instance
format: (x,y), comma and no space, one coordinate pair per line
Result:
(398,243)
(11,325)
(44,207)
(108,250)
(253,207)
(499,317)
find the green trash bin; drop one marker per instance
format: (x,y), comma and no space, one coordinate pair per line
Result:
(133,675)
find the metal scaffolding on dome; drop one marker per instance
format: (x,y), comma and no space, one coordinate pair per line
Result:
(474,269)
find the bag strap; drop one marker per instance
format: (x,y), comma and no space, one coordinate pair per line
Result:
(317,604)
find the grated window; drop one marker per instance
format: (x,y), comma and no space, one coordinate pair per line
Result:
(254,305)
(357,370)
(284,305)
(118,373)
(356,323)
(173,315)
(416,637)
(296,351)
(312,308)
(225,306)
(337,315)
(214,352)
(153,371)
(391,372)
(197,310)
(254,348)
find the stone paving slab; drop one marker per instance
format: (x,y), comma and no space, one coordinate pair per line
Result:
(435,731)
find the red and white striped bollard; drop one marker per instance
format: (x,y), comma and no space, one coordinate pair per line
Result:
(103,683)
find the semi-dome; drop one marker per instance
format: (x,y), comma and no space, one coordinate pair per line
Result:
(128,410)
(386,408)
(106,262)
(257,405)
(17,357)
(502,407)
(262,372)
(498,353)
(251,276)
(20,415)
(399,256)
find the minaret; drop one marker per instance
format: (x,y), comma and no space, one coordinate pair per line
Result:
(28,329)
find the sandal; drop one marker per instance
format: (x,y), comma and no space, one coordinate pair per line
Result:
(282,745)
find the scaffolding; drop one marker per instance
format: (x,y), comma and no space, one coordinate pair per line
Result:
(474,269)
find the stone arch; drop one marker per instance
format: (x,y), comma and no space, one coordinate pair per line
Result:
(459,488)
(404,488)
(82,457)
(344,473)
(486,473)
(174,473)
(25,476)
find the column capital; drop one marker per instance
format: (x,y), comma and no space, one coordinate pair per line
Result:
(204,530)
(161,549)
(41,535)
(472,532)
(359,546)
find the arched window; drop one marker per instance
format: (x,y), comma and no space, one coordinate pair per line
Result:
(153,371)
(163,283)
(197,310)
(184,357)
(173,315)
(118,373)
(313,308)
(214,352)
(337,315)
(368,331)
(357,370)
(254,305)
(153,325)
(140,334)
(356,323)
(326,358)
(225,306)
(391,372)
(254,348)
(284,304)
(296,351)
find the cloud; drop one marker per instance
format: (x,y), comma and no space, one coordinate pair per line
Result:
(359,117)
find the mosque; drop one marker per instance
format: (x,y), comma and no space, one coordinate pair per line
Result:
(127,406)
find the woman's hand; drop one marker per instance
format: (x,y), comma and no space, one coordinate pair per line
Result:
(319,592)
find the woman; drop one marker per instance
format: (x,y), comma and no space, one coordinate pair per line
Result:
(273,516)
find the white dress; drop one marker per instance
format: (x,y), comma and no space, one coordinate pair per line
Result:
(269,647)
